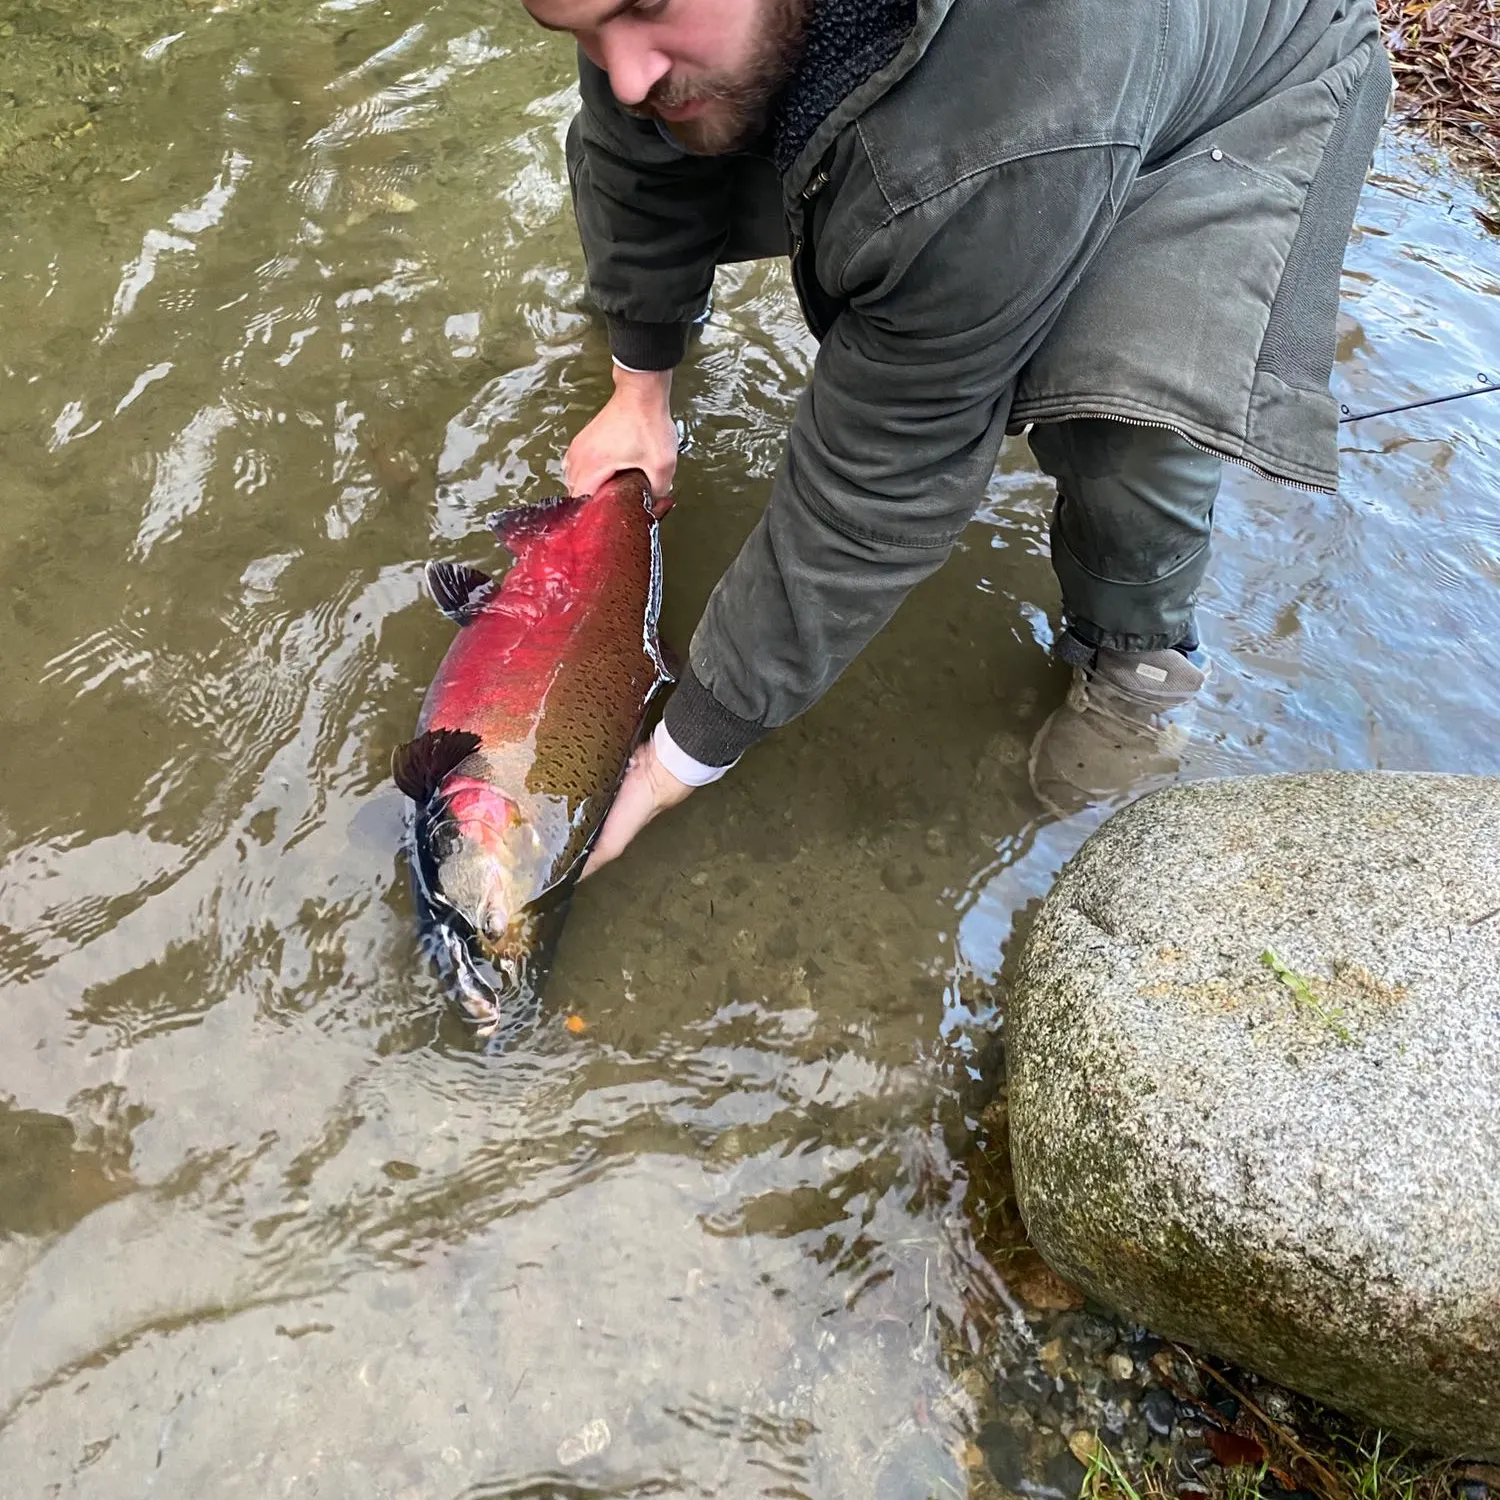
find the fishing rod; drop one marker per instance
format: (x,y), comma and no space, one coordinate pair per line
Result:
(1485,386)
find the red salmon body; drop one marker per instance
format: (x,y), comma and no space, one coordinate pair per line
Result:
(526,730)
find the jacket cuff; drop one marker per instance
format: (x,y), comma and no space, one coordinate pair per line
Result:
(647,346)
(703,728)
(675,760)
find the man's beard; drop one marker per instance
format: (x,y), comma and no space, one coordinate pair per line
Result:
(737,108)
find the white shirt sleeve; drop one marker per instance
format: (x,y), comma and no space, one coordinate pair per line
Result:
(682,765)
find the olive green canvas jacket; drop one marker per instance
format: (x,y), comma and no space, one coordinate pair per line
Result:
(1039,209)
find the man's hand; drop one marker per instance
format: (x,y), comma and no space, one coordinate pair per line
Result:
(635,430)
(648,788)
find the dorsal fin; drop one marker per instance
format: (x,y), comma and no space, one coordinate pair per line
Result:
(459,591)
(420,765)
(519,524)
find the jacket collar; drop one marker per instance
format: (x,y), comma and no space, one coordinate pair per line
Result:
(856,51)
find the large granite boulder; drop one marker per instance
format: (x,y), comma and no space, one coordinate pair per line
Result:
(1254,1053)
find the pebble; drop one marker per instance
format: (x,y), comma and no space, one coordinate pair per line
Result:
(1084,1445)
(588,1442)
(1277,1405)
(1227,1407)
(900,875)
(1005,1453)
(1473,1489)
(1063,1476)
(1120,1366)
(1159,1410)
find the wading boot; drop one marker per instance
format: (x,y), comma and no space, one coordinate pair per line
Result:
(1121,731)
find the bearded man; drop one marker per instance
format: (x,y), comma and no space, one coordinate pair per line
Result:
(1117,225)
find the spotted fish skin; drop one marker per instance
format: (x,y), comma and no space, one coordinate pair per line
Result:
(539,701)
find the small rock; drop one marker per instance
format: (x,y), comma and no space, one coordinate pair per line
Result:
(1160,1411)
(900,875)
(1039,1287)
(974,1384)
(1473,1489)
(1064,1474)
(1146,1345)
(1052,1358)
(1084,1446)
(782,943)
(1227,1407)
(1277,1405)
(970,1456)
(1004,1452)
(935,841)
(1120,1366)
(588,1442)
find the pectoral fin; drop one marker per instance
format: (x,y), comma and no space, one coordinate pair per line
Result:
(460,592)
(420,765)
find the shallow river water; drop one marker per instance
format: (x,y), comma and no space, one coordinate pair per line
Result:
(289,300)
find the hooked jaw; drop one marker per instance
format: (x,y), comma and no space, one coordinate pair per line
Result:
(477,855)
(499,979)
(481,866)
(488,987)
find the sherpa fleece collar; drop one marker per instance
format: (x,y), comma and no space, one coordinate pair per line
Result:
(855,51)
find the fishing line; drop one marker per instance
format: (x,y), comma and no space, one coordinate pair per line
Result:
(1485,386)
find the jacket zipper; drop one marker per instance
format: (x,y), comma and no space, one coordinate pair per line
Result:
(816,184)
(1192,442)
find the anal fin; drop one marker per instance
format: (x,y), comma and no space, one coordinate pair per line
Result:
(459,592)
(420,765)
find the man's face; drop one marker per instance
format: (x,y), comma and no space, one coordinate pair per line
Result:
(707,69)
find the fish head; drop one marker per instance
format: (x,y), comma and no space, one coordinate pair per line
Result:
(487,864)
(482,871)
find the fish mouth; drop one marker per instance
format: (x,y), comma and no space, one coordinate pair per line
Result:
(499,989)
(496,992)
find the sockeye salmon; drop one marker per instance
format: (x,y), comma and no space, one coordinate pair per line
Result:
(526,730)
